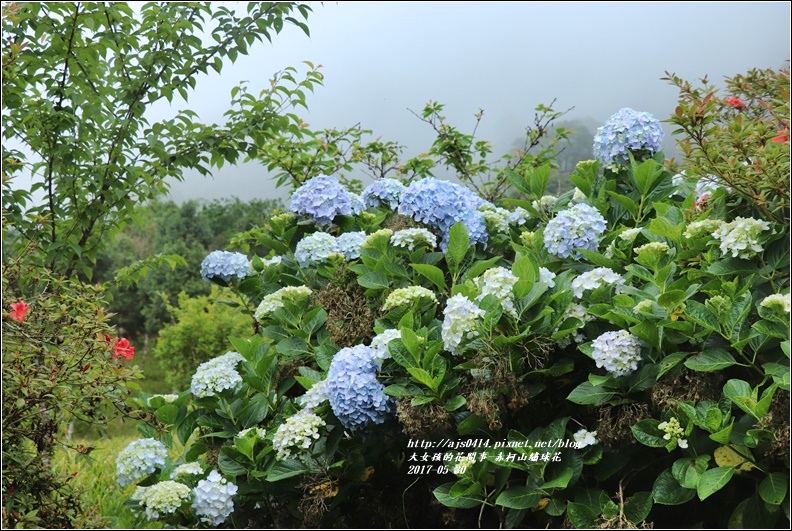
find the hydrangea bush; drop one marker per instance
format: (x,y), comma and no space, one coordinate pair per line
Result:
(586,360)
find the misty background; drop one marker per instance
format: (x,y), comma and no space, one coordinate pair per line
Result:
(382,59)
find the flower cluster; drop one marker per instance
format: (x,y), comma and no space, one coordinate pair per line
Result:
(459,322)
(576,311)
(464,463)
(271,261)
(630,234)
(356,396)
(214,499)
(519,216)
(601,276)
(673,430)
(314,396)
(545,204)
(299,431)
(741,236)
(547,276)
(380,344)
(778,301)
(322,198)
(626,131)
(350,243)
(18,311)
(585,438)
(655,248)
(617,352)
(225,265)
(169,399)
(139,459)
(261,433)
(500,282)
(384,192)
(441,204)
(216,375)
(122,348)
(412,238)
(497,219)
(406,296)
(699,229)
(273,301)
(316,248)
(576,228)
(643,306)
(187,469)
(357,204)
(164,497)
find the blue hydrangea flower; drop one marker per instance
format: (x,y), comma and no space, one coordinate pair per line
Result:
(139,459)
(384,192)
(357,203)
(225,265)
(625,131)
(441,204)
(322,198)
(350,243)
(214,499)
(315,248)
(576,228)
(356,396)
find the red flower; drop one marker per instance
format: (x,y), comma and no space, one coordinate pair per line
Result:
(736,102)
(123,348)
(20,309)
(782,138)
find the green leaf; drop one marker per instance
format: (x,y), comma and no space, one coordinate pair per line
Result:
(454,403)
(638,506)
(587,394)
(458,245)
(434,274)
(773,488)
(443,496)
(713,480)
(374,280)
(710,360)
(228,465)
(519,497)
(626,202)
(649,434)
(285,469)
(398,390)
(423,377)
(667,491)
(671,361)
(581,516)
(167,414)
(741,395)
(688,470)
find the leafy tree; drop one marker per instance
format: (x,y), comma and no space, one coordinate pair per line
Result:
(79,80)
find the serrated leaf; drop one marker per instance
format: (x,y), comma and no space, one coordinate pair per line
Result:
(587,394)
(638,506)
(667,491)
(710,360)
(713,480)
(519,497)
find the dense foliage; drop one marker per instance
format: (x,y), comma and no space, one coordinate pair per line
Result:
(594,359)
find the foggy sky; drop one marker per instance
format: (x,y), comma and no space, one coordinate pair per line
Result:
(380,59)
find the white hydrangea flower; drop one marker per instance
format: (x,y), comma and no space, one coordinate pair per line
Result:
(585,438)
(595,278)
(578,311)
(459,322)
(658,248)
(261,433)
(299,431)
(314,396)
(273,301)
(777,300)
(740,237)
(350,244)
(380,344)
(140,459)
(707,227)
(216,375)
(169,399)
(500,282)
(630,234)
(496,218)
(411,238)
(617,352)
(673,431)
(164,497)
(187,469)
(374,235)
(547,276)
(316,248)
(272,261)
(214,499)
(406,296)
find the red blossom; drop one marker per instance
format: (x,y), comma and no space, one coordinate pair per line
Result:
(736,102)
(123,348)
(783,136)
(20,309)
